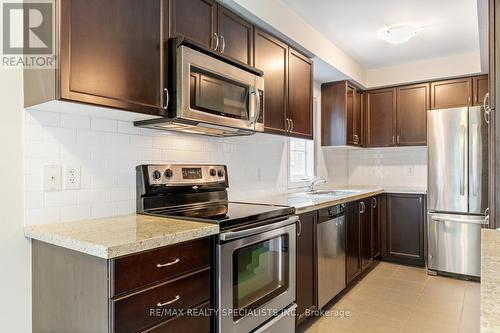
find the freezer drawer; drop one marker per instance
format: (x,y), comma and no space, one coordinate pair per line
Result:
(454,243)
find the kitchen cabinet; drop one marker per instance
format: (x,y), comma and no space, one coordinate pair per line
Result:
(341,106)
(112,53)
(118,295)
(366,228)
(300,84)
(353,248)
(195,20)
(480,86)
(380,118)
(376,203)
(451,93)
(403,228)
(271,56)
(236,36)
(306,289)
(213,26)
(411,114)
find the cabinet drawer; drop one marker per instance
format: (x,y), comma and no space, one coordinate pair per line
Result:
(186,324)
(142,269)
(136,312)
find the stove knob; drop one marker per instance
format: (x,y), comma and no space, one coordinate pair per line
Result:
(169,173)
(221,173)
(156,175)
(213,173)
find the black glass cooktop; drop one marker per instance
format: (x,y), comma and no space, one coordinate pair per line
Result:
(226,214)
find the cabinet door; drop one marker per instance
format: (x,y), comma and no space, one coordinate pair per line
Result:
(356,118)
(451,93)
(353,262)
(350,97)
(306,265)
(411,115)
(300,95)
(365,220)
(236,36)
(194,19)
(111,53)
(405,228)
(271,57)
(480,86)
(375,203)
(380,118)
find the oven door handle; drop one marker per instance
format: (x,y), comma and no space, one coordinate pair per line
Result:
(230,235)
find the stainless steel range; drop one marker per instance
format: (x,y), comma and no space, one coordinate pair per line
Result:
(254,253)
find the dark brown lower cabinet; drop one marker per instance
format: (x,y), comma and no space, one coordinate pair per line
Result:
(365,221)
(403,229)
(306,293)
(353,260)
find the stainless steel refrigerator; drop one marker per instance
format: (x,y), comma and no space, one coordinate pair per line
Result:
(457,198)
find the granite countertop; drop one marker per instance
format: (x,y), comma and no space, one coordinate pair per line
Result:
(118,236)
(490,281)
(304,202)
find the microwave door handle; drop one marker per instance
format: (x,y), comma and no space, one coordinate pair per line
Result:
(257,96)
(252,117)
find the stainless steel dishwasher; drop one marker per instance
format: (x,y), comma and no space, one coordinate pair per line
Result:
(331,253)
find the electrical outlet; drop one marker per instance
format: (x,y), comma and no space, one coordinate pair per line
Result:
(51,178)
(71,177)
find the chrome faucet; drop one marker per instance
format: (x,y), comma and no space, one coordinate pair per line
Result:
(315,181)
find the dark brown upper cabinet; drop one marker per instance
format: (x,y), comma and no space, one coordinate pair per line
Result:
(236,36)
(380,118)
(196,20)
(451,93)
(480,86)
(341,105)
(306,289)
(300,85)
(112,53)
(213,26)
(403,229)
(271,56)
(411,114)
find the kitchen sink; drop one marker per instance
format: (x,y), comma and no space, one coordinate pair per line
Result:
(334,193)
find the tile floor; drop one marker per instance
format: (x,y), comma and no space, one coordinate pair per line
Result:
(395,298)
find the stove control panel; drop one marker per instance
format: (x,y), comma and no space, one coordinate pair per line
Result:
(185,174)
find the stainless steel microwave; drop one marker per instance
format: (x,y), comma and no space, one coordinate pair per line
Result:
(211,97)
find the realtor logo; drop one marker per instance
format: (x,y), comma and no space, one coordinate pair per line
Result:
(28,34)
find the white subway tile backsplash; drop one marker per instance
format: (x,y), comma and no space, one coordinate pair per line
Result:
(75,121)
(42,215)
(61,198)
(35,149)
(59,135)
(45,118)
(33,200)
(128,127)
(89,137)
(75,213)
(90,196)
(104,209)
(102,124)
(141,141)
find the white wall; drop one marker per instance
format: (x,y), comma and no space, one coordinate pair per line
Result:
(15,279)
(108,150)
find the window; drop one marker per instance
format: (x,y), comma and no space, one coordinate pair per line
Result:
(300,162)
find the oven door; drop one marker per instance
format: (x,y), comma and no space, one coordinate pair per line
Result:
(256,277)
(218,93)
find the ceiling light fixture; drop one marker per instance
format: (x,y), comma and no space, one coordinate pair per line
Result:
(398,34)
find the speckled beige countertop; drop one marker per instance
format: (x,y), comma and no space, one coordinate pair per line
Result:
(490,281)
(117,236)
(305,202)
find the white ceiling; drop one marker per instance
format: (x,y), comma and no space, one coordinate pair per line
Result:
(450,27)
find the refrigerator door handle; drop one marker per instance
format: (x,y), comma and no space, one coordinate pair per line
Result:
(464,154)
(472,219)
(475,134)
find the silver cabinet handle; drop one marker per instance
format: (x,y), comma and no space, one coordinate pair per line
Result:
(397,139)
(216,39)
(288,125)
(374,202)
(168,263)
(362,207)
(165,91)
(393,139)
(299,227)
(355,139)
(223,44)
(175,299)
(486,107)
(468,100)
(292,125)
